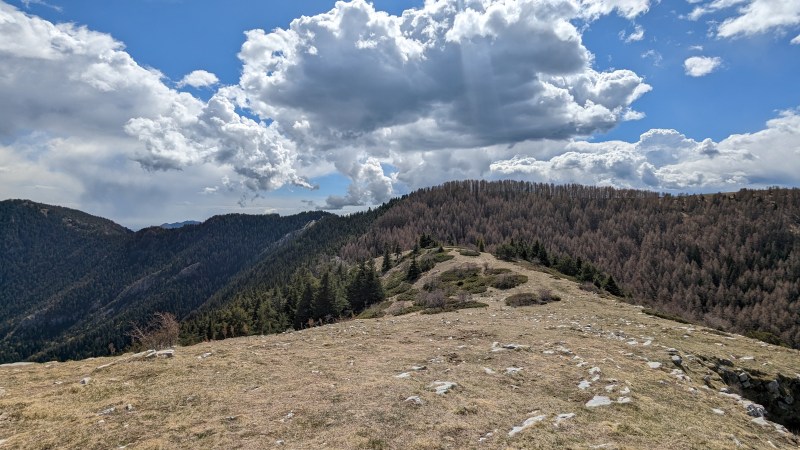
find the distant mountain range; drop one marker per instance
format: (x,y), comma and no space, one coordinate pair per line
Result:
(73,284)
(171,226)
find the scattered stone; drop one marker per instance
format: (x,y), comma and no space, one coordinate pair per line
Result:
(488,371)
(718,412)
(403,375)
(280,442)
(654,364)
(549,352)
(527,424)
(598,400)
(774,388)
(129,407)
(415,400)
(583,385)
(288,417)
(756,410)
(594,370)
(747,358)
(442,387)
(165,353)
(205,355)
(677,360)
(418,368)
(744,376)
(672,351)
(486,437)
(647,342)
(513,370)
(86,380)
(562,417)
(760,421)
(516,347)
(107,411)
(623,400)
(625,391)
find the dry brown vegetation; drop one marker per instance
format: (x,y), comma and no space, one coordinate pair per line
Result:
(346,385)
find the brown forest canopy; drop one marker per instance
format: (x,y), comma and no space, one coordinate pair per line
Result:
(726,260)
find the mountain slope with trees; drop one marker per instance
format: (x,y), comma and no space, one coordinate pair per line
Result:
(73,284)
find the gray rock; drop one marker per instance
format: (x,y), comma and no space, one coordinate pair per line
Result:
(528,423)
(598,400)
(774,387)
(107,411)
(654,364)
(677,360)
(415,400)
(442,387)
(756,410)
(165,353)
(86,380)
(744,376)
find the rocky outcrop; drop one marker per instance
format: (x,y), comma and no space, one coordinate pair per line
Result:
(777,396)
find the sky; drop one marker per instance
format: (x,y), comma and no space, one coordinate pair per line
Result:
(152,111)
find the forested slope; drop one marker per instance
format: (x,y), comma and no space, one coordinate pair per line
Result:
(727,260)
(72,284)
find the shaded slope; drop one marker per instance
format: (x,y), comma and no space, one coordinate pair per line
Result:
(74,283)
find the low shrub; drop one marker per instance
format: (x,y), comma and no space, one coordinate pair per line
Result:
(508,280)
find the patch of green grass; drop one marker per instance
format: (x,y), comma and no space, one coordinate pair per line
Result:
(442,257)
(375,311)
(508,281)
(396,283)
(408,296)
(543,297)
(495,270)
(454,307)
(524,299)
(410,309)
(766,336)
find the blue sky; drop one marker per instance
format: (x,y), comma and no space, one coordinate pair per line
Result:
(151,111)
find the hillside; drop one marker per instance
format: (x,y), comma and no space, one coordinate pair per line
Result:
(587,371)
(72,284)
(730,261)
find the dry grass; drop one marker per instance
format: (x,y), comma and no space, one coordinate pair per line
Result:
(336,386)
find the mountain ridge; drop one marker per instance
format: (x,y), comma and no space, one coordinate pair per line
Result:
(730,261)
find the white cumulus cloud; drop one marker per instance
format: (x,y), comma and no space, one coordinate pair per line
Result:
(699,66)
(636,35)
(750,17)
(198,79)
(668,160)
